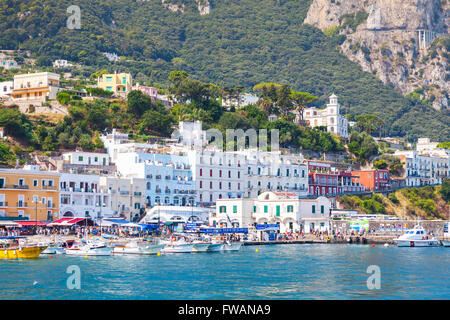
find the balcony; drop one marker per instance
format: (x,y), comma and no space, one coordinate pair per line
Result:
(137,194)
(3,204)
(49,187)
(124,193)
(21,204)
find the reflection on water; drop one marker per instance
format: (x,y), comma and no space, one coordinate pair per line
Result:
(274,272)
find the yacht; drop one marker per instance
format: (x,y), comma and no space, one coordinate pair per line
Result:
(232,246)
(216,245)
(180,246)
(90,248)
(200,246)
(133,247)
(417,237)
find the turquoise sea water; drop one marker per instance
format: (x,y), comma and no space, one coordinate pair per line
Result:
(274,272)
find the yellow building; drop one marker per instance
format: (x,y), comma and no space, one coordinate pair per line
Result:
(35,87)
(119,83)
(29,193)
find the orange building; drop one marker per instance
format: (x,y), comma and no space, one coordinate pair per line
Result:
(373,180)
(29,193)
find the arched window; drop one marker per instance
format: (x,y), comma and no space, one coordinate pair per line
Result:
(176,201)
(166,200)
(157,199)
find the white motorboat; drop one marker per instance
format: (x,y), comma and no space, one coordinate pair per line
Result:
(232,246)
(216,246)
(89,249)
(133,247)
(179,246)
(417,237)
(446,241)
(51,247)
(201,246)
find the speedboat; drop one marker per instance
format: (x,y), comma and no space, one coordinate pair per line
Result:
(216,246)
(416,237)
(200,246)
(446,241)
(133,247)
(232,246)
(177,247)
(11,248)
(89,249)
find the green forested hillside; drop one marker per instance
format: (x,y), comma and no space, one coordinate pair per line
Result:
(241,42)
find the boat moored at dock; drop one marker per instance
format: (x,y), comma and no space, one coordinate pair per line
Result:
(11,248)
(416,237)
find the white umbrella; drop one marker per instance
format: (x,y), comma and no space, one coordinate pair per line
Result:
(8,224)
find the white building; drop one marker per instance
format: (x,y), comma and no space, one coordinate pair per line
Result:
(61,64)
(6,89)
(283,208)
(244,100)
(127,195)
(329,117)
(86,158)
(423,169)
(6,62)
(176,214)
(36,87)
(81,196)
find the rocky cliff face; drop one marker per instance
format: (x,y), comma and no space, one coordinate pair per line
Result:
(404,42)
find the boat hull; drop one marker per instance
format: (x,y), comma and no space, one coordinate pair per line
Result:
(21,253)
(201,247)
(178,248)
(149,249)
(417,243)
(106,251)
(215,247)
(446,243)
(232,247)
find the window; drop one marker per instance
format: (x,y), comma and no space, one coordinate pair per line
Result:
(322,209)
(254,208)
(210,172)
(35,183)
(21,182)
(266,209)
(222,209)
(201,172)
(313,209)
(80,158)
(290,208)
(239,174)
(234,209)
(201,184)
(229,174)
(210,185)
(220,173)
(109,79)
(50,183)
(96,159)
(278,211)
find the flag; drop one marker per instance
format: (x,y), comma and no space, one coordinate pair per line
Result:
(229,219)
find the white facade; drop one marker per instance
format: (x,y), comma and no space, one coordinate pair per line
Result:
(6,89)
(422,169)
(36,86)
(61,64)
(285,209)
(176,214)
(81,196)
(86,158)
(329,117)
(424,144)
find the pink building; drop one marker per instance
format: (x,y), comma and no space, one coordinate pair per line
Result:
(152,92)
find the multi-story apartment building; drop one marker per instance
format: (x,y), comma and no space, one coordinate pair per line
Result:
(423,169)
(36,87)
(329,117)
(119,83)
(373,180)
(30,193)
(274,171)
(327,179)
(127,195)
(81,196)
(150,91)
(283,208)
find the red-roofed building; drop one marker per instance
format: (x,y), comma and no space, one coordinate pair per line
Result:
(373,180)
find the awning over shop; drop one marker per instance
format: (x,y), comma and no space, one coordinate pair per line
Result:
(58,222)
(112,222)
(72,222)
(9,224)
(30,223)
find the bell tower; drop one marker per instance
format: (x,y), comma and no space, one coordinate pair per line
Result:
(333,106)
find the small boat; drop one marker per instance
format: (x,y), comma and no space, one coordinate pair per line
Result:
(177,247)
(216,246)
(89,249)
(133,247)
(10,248)
(416,238)
(201,246)
(232,246)
(445,243)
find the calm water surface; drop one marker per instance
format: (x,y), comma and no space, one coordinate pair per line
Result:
(274,272)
